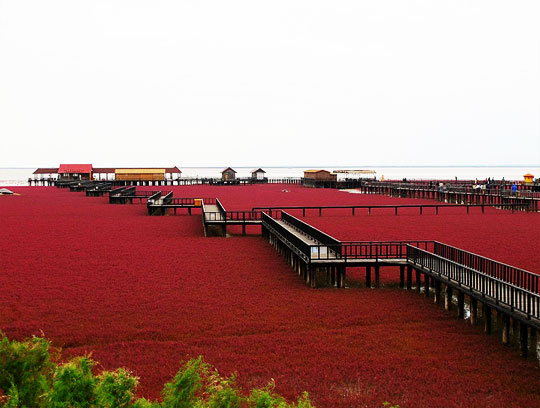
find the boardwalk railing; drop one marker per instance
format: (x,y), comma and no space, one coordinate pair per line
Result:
(99,190)
(478,283)
(243,216)
(295,243)
(190,201)
(519,277)
(83,185)
(394,207)
(523,199)
(121,191)
(372,250)
(310,231)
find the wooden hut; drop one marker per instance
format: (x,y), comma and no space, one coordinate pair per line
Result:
(228,174)
(319,178)
(75,172)
(258,174)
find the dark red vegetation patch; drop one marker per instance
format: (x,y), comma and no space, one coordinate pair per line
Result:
(146,292)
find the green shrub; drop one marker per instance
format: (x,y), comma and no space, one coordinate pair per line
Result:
(116,389)
(28,378)
(25,371)
(181,391)
(74,385)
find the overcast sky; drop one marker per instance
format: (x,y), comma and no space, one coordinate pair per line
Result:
(292,82)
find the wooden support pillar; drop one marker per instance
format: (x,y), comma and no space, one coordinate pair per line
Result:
(474,311)
(377,275)
(401,276)
(340,276)
(448,298)
(329,275)
(368,276)
(535,343)
(437,286)
(514,326)
(409,277)
(506,329)
(461,304)
(487,319)
(426,284)
(243,229)
(523,339)
(418,280)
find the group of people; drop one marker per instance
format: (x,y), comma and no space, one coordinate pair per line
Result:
(491,184)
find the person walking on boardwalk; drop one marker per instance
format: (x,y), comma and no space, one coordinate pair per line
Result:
(514,189)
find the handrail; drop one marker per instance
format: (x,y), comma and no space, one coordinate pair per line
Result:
(309,230)
(220,206)
(502,292)
(520,277)
(375,250)
(118,191)
(302,246)
(167,198)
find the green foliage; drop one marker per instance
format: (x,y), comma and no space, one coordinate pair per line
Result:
(74,385)
(28,378)
(25,369)
(267,398)
(180,393)
(115,389)
(223,392)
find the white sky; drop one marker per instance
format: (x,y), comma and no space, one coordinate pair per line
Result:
(292,82)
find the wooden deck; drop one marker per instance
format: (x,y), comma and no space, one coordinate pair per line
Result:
(321,260)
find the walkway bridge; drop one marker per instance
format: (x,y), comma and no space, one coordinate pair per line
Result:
(321,260)
(129,194)
(99,190)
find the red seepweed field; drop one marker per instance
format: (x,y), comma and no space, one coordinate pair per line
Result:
(148,292)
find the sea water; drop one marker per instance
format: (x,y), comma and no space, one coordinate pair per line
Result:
(20,176)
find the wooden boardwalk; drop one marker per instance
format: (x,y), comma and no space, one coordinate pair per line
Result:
(322,261)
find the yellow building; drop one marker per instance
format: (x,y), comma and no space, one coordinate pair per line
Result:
(139,174)
(528,178)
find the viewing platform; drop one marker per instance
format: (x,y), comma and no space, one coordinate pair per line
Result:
(437,269)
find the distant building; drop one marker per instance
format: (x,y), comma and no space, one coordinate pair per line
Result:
(75,172)
(140,174)
(137,173)
(319,178)
(528,178)
(228,174)
(49,171)
(258,174)
(320,175)
(88,172)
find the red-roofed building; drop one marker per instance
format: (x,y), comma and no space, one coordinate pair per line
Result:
(75,172)
(88,172)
